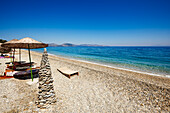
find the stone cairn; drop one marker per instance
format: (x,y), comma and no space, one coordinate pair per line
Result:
(46,94)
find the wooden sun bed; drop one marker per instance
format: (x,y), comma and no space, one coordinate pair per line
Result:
(11,72)
(68,72)
(26,74)
(16,62)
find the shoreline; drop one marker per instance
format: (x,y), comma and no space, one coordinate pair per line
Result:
(110,66)
(158,80)
(97,89)
(143,89)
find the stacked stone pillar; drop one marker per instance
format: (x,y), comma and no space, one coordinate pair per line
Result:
(46,94)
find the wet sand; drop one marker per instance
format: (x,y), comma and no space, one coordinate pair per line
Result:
(97,89)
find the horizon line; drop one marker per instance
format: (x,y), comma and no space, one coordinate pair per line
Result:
(98,45)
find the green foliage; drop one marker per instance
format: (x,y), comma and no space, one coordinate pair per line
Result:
(2,41)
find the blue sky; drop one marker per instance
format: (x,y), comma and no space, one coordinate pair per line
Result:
(106,22)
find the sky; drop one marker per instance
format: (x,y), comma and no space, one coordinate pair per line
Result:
(104,22)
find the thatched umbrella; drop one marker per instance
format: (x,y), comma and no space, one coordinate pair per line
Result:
(26,43)
(4,49)
(10,42)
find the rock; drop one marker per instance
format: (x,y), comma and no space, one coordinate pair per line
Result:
(39,106)
(52,91)
(43,101)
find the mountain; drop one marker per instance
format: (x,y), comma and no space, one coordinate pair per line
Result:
(68,45)
(94,45)
(52,45)
(71,45)
(62,45)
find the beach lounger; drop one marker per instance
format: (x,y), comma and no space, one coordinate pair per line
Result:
(18,68)
(23,63)
(16,62)
(68,72)
(26,74)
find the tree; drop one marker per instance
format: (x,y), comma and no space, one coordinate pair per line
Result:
(2,41)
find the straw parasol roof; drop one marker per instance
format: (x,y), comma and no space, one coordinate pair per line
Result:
(25,43)
(11,41)
(4,49)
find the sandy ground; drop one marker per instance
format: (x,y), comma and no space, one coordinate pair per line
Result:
(96,89)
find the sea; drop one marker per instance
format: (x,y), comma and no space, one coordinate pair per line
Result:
(155,60)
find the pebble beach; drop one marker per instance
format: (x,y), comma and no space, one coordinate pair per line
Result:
(97,89)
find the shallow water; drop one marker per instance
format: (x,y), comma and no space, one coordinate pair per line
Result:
(148,59)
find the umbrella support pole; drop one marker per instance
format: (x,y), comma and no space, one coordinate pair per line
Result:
(13,55)
(30,62)
(19,54)
(13,59)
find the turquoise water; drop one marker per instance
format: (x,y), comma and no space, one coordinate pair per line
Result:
(148,59)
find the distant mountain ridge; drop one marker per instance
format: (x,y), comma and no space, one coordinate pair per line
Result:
(95,45)
(71,45)
(68,45)
(53,45)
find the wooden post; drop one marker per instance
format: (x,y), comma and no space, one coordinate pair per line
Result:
(19,54)
(13,55)
(13,59)
(30,61)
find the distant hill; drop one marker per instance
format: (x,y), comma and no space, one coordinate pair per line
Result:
(53,45)
(68,45)
(71,45)
(94,45)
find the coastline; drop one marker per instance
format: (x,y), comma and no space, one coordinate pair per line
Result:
(137,89)
(112,66)
(134,74)
(97,89)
